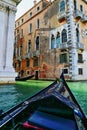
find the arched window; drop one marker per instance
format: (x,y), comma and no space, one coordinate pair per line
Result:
(64,36)
(62,6)
(52,41)
(77,35)
(57,39)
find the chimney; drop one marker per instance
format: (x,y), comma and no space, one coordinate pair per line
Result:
(35,2)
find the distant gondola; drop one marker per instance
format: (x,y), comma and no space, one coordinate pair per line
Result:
(24,78)
(53,108)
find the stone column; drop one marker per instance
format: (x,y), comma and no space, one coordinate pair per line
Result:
(10,40)
(2,35)
(7,23)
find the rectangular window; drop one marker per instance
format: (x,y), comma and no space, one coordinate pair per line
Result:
(35,62)
(30,14)
(16,39)
(29,46)
(63,58)
(15,65)
(14,52)
(18,23)
(27,63)
(81,8)
(22,20)
(65,71)
(20,51)
(21,33)
(38,8)
(17,31)
(19,64)
(80,58)
(38,23)
(15,25)
(27,72)
(30,28)
(37,43)
(80,71)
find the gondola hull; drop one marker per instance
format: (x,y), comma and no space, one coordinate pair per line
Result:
(24,78)
(53,108)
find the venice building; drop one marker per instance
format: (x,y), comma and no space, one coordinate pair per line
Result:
(51,37)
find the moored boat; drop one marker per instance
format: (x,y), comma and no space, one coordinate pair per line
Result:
(24,78)
(53,108)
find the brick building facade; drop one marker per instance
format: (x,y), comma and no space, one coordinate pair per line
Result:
(52,37)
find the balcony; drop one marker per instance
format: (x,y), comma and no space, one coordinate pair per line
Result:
(80,46)
(63,45)
(28,55)
(19,58)
(36,53)
(77,14)
(62,16)
(80,61)
(84,18)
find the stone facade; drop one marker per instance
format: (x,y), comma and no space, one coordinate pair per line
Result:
(7,22)
(53,39)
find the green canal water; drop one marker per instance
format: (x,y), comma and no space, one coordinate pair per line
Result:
(11,95)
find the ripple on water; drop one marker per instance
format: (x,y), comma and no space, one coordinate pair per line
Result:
(11,95)
(7,96)
(79,90)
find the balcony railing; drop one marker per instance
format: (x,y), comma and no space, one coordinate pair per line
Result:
(28,55)
(19,58)
(80,46)
(61,16)
(77,14)
(63,45)
(84,18)
(80,61)
(36,53)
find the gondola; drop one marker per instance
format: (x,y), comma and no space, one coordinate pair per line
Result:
(24,78)
(53,108)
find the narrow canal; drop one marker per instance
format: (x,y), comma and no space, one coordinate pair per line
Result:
(11,95)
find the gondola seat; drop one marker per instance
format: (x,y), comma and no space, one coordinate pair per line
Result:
(49,121)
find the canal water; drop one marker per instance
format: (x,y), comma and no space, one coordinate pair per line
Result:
(11,95)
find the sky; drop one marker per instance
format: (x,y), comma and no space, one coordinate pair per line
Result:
(23,6)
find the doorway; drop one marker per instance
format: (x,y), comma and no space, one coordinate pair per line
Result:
(36,75)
